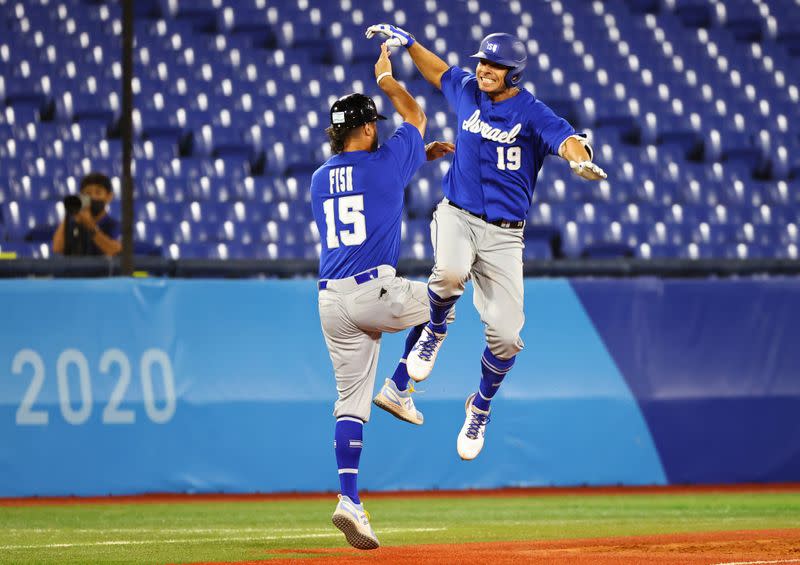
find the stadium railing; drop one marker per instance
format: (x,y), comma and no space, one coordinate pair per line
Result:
(293,268)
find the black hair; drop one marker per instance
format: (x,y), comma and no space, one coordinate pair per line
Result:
(337,138)
(97,178)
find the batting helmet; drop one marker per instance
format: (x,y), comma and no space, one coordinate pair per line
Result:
(353,110)
(506,50)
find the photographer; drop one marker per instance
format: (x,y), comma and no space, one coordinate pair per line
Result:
(87,228)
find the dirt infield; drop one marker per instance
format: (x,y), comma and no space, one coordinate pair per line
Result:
(161,498)
(709,548)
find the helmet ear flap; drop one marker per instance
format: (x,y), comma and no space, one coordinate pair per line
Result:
(512,80)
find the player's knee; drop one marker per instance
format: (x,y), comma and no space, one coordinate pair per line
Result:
(504,343)
(449,278)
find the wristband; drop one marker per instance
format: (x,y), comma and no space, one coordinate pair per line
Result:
(382,76)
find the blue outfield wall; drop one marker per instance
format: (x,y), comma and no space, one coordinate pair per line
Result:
(125,386)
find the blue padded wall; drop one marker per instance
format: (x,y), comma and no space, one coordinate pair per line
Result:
(126,386)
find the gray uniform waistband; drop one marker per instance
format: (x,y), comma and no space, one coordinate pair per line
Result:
(349,283)
(507,224)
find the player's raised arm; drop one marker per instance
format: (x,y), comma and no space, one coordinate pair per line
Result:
(402,101)
(429,64)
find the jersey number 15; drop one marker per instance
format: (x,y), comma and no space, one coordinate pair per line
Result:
(351,210)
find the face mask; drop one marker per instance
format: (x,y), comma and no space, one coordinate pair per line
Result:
(97,207)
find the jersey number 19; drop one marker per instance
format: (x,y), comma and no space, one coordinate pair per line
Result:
(509,158)
(350,213)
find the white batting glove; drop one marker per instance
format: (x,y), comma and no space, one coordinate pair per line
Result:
(587,170)
(397,37)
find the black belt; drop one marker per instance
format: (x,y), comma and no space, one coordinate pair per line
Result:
(510,224)
(360,278)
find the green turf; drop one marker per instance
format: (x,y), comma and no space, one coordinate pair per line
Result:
(218,531)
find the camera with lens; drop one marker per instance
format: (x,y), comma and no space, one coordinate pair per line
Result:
(75,203)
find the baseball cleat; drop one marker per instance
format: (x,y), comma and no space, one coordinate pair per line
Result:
(398,403)
(423,355)
(470,438)
(352,520)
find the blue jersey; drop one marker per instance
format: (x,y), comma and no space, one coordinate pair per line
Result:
(500,147)
(78,240)
(357,200)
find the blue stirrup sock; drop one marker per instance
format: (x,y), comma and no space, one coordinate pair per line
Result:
(348,440)
(400,376)
(440,308)
(494,371)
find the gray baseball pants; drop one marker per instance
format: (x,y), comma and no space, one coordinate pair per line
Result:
(353,317)
(467,246)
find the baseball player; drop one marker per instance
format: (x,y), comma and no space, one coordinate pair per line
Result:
(357,200)
(504,134)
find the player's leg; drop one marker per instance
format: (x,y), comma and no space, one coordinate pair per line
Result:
(395,394)
(400,376)
(454,252)
(403,304)
(453,243)
(392,304)
(347,443)
(354,355)
(406,304)
(354,398)
(350,516)
(498,281)
(355,378)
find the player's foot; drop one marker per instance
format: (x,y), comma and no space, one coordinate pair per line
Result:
(470,438)
(398,403)
(423,355)
(352,520)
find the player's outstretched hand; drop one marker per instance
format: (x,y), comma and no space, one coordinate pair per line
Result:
(436,149)
(397,37)
(383,65)
(587,170)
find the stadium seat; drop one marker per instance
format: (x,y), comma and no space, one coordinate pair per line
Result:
(26,219)
(690,105)
(17,249)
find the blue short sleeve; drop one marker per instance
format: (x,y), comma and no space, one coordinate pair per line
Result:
(110,227)
(407,149)
(454,82)
(551,129)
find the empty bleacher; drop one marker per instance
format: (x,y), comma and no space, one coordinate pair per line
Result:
(692,106)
